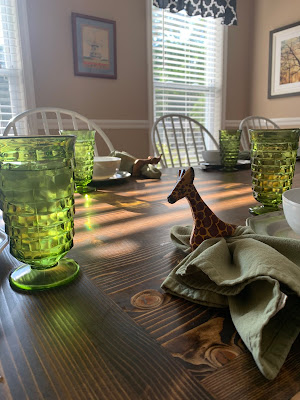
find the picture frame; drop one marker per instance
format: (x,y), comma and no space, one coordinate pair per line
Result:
(284,73)
(94,46)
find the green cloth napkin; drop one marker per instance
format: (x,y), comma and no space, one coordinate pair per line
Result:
(256,276)
(127,161)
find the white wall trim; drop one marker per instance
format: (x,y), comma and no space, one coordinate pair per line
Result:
(232,124)
(285,122)
(122,124)
(290,122)
(103,123)
(145,124)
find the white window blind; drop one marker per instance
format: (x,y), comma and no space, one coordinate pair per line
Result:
(12,98)
(187,55)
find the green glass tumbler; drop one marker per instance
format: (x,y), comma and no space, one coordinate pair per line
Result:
(229,140)
(84,158)
(37,200)
(273,156)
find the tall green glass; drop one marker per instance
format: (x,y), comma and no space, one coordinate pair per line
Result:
(84,158)
(37,200)
(273,156)
(229,140)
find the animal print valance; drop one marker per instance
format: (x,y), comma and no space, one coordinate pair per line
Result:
(225,9)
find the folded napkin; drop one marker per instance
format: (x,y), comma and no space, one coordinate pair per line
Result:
(127,162)
(256,276)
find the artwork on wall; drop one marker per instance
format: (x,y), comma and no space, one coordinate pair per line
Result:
(94,46)
(284,61)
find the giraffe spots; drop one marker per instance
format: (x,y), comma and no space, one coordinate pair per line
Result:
(221,225)
(200,216)
(200,205)
(206,221)
(213,231)
(230,229)
(214,218)
(202,231)
(198,223)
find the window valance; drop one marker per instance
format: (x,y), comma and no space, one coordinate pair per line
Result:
(225,9)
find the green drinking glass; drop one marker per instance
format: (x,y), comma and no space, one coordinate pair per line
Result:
(229,140)
(37,200)
(273,156)
(84,158)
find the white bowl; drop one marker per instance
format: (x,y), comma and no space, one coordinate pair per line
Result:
(291,208)
(211,156)
(105,167)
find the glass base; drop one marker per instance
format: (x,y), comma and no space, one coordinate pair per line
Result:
(257,210)
(228,169)
(27,278)
(84,189)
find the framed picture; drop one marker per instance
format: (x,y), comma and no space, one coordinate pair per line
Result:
(284,62)
(94,46)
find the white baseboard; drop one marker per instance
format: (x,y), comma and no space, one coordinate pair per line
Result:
(284,122)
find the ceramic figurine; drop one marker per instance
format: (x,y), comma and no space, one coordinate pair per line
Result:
(206,224)
(140,162)
(138,167)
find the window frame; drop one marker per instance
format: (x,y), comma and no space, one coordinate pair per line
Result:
(25,56)
(28,81)
(149,4)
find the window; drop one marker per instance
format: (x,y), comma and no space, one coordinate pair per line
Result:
(187,63)
(12,66)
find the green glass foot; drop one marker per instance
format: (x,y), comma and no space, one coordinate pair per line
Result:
(27,278)
(84,189)
(257,210)
(228,169)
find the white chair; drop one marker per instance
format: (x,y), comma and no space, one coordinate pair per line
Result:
(51,120)
(180,139)
(254,122)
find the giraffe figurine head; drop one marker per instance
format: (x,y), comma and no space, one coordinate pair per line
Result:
(205,223)
(183,185)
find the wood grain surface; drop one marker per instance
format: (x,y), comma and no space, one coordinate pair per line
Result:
(113,333)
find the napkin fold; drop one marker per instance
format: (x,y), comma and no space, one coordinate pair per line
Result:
(127,162)
(256,276)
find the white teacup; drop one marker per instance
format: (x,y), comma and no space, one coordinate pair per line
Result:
(291,208)
(105,167)
(211,156)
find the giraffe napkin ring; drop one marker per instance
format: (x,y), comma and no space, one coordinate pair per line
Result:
(206,224)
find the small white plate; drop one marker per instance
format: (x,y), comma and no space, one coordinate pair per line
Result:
(3,240)
(119,175)
(271,224)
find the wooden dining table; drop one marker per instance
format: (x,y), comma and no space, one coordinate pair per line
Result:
(113,333)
